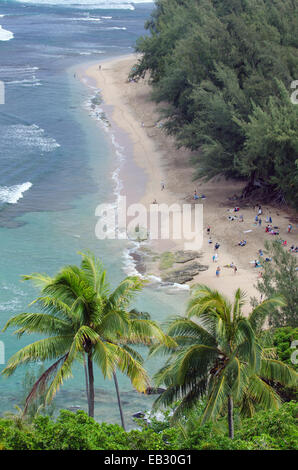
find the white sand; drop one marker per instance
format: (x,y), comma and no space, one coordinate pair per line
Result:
(153,151)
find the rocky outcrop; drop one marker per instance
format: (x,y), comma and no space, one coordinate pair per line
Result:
(154,391)
(185,256)
(186,274)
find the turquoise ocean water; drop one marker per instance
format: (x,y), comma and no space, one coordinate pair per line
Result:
(57,163)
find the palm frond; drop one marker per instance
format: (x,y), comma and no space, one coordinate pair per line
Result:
(125,291)
(40,385)
(39,280)
(262,393)
(219,391)
(133,369)
(278,371)
(42,350)
(261,312)
(38,323)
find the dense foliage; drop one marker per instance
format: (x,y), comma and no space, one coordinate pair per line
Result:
(225,69)
(77,431)
(221,367)
(86,322)
(219,357)
(280,277)
(282,340)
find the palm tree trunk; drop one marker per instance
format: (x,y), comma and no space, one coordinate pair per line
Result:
(86,379)
(230,417)
(119,400)
(91,387)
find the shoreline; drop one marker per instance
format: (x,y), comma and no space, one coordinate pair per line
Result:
(152,158)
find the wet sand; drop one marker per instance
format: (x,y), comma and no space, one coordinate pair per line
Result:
(131,112)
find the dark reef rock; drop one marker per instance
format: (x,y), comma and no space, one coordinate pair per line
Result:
(185,256)
(139,415)
(154,391)
(181,276)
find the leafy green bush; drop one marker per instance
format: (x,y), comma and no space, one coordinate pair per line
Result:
(276,428)
(225,70)
(76,431)
(282,340)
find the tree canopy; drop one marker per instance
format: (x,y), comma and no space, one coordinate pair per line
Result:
(225,70)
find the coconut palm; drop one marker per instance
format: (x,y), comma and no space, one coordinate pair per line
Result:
(219,357)
(83,319)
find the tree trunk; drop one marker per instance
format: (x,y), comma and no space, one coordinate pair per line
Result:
(119,400)
(230,417)
(86,379)
(91,386)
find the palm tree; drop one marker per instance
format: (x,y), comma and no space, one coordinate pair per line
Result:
(82,319)
(219,357)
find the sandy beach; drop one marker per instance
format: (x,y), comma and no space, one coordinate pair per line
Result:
(129,107)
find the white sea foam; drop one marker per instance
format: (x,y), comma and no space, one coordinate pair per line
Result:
(93,104)
(12,289)
(130,265)
(91,52)
(115,28)
(31,136)
(92,4)
(11,194)
(85,18)
(26,82)
(23,76)
(10,305)
(5,35)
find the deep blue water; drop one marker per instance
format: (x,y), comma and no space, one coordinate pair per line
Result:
(56,166)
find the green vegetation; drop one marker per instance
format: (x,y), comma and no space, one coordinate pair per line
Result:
(276,430)
(167,260)
(220,369)
(220,358)
(280,278)
(84,322)
(282,340)
(224,69)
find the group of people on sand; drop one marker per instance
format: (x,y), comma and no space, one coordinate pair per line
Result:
(215,255)
(231,217)
(231,265)
(272,230)
(196,196)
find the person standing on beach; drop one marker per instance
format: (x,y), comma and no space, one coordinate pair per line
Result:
(235,269)
(162,185)
(217,271)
